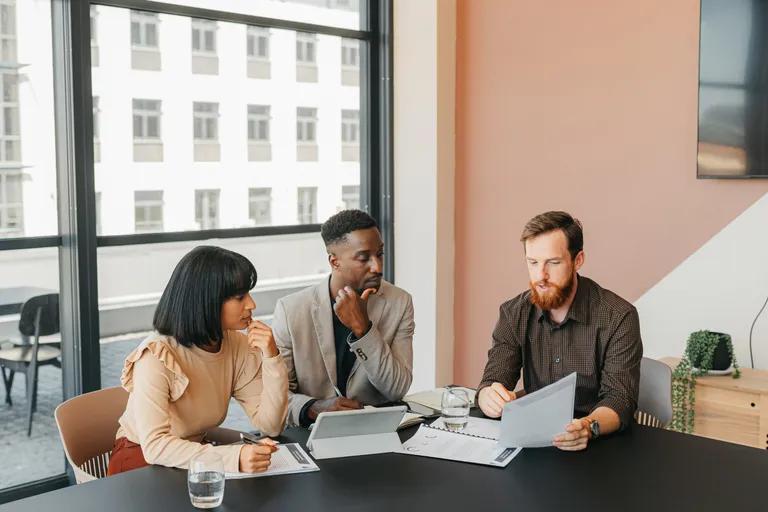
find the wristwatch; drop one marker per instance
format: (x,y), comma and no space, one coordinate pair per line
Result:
(594,429)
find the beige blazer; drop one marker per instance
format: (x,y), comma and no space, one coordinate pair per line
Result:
(382,372)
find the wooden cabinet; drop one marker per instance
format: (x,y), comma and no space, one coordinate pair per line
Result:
(734,410)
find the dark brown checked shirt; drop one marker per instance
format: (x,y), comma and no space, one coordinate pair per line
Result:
(599,339)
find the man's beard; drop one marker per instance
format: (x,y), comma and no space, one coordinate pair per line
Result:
(555,297)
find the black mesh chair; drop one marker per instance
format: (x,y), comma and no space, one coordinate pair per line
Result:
(39,317)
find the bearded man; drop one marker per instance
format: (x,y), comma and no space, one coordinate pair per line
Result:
(565,323)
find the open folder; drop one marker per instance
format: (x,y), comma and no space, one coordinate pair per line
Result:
(533,420)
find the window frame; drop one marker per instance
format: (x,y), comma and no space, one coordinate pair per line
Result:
(78,240)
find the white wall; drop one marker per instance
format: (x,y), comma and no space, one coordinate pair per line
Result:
(720,287)
(424,105)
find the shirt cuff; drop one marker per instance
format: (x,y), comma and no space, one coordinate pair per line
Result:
(620,407)
(304,420)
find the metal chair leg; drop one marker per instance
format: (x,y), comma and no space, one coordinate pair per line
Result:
(30,401)
(8,382)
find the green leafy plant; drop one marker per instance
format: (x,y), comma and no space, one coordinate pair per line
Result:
(697,360)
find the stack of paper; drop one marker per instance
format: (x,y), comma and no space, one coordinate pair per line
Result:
(443,444)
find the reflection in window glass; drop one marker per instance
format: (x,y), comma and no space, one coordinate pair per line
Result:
(228,125)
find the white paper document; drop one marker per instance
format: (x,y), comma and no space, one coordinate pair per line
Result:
(289,458)
(442,444)
(533,420)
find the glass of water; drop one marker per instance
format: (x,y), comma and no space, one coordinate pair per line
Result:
(455,409)
(205,480)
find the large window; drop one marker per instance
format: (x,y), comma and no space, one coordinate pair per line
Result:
(224,122)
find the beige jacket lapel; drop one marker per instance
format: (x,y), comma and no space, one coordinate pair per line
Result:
(321,317)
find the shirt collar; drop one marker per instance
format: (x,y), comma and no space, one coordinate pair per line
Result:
(579,310)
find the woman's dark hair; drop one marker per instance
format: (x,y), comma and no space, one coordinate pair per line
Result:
(190,308)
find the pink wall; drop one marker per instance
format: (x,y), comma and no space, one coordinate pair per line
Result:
(589,107)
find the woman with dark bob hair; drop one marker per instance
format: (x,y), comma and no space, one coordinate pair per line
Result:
(180,379)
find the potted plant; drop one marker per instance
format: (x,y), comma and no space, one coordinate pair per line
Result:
(705,352)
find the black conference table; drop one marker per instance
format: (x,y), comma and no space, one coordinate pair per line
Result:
(642,469)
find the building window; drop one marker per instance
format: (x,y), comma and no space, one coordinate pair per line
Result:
(257,50)
(306,125)
(306,45)
(258,43)
(11,205)
(10,140)
(204,36)
(148,208)
(94,37)
(350,62)
(350,196)
(8,32)
(258,123)
(206,121)
(350,135)
(145,50)
(206,132)
(207,209)
(306,57)
(350,53)
(306,134)
(260,206)
(307,205)
(144,29)
(96,129)
(147,143)
(204,58)
(146,120)
(259,148)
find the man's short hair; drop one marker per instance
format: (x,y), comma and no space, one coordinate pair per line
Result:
(551,221)
(190,307)
(336,228)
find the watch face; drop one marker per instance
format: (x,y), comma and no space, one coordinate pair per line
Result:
(594,427)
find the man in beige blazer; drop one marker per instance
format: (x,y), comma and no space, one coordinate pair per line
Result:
(347,341)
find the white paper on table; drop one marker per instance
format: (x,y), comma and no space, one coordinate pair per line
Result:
(533,420)
(289,458)
(442,444)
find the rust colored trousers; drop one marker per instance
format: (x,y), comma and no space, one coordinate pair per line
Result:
(125,457)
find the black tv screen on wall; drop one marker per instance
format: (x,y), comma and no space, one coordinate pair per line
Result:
(733,89)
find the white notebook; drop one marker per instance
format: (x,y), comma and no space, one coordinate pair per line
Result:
(289,458)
